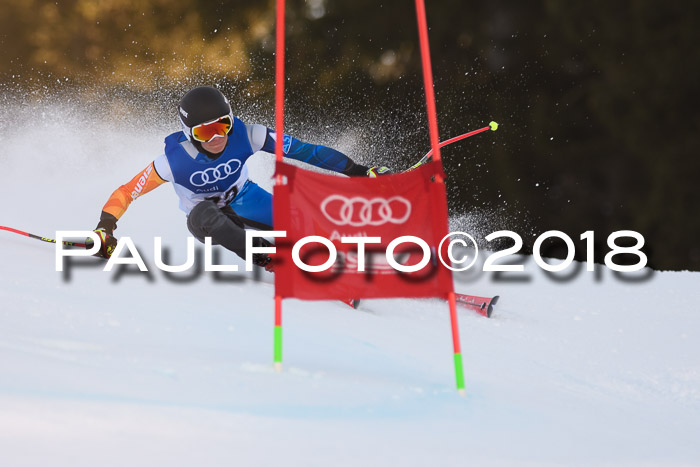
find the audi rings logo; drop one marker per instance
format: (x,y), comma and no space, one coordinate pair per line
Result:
(361,212)
(214,174)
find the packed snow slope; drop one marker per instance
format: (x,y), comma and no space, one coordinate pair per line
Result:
(139,369)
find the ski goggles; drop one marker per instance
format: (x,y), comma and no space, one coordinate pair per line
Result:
(206,132)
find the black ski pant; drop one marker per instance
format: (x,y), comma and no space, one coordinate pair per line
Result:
(223,225)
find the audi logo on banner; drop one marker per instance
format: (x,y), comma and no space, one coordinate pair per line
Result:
(360,212)
(214,174)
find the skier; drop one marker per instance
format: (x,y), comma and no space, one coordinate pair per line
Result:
(206,163)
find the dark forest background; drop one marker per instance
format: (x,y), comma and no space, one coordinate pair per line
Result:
(597,101)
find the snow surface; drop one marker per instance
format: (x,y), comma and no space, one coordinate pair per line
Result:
(102,369)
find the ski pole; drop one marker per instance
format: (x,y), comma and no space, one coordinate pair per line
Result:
(43,239)
(493,126)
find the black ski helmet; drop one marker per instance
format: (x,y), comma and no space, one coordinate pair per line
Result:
(201,105)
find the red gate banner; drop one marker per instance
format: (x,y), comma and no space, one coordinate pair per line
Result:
(405,204)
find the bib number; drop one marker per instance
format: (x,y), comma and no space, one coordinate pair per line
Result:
(225,198)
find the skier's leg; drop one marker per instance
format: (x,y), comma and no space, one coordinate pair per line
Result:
(223,226)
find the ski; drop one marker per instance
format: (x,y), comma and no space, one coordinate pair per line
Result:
(482,305)
(353,302)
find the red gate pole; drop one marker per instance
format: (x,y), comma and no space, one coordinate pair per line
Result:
(435,145)
(278,334)
(428,79)
(279,81)
(279,131)
(459,368)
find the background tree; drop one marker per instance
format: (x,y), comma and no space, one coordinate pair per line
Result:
(596,101)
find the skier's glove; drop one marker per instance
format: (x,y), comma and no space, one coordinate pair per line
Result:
(262,259)
(107,243)
(108,223)
(376,171)
(105,231)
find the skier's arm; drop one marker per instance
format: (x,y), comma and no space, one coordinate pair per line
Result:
(263,139)
(119,201)
(145,181)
